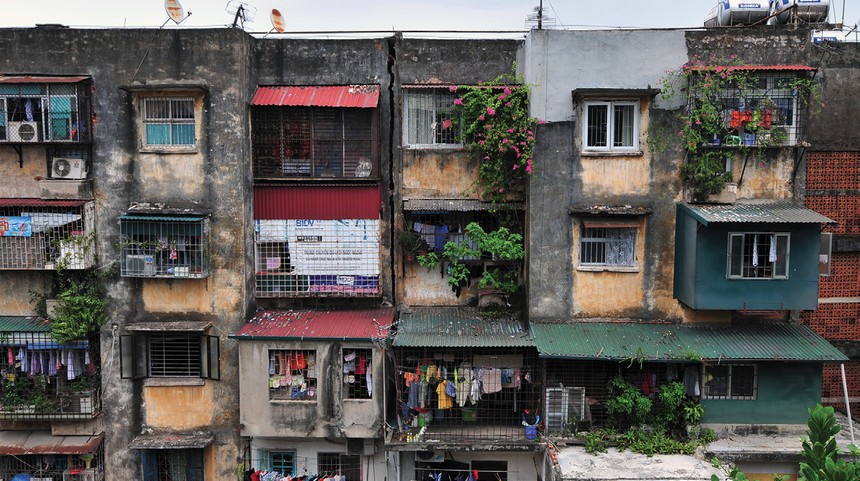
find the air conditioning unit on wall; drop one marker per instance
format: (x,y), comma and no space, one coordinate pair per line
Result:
(23,132)
(139,265)
(63,168)
(430,456)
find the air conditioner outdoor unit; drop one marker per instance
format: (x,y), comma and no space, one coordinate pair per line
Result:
(430,456)
(63,168)
(139,265)
(79,475)
(23,132)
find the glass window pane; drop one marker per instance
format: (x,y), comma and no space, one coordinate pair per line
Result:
(158,134)
(743,381)
(623,126)
(597,117)
(736,255)
(717,381)
(780,257)
(183,134)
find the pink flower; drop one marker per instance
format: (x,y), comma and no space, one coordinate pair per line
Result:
(541,121)
(510,131)
(529,168)
(507,91)
(501,149)
(452,88)
(501,97)
(508,104)
(446,124)
(505,141)
(515,166)
(481,142)
(491,111)
(458,101)
(698,122)
(501,191)
(481,117)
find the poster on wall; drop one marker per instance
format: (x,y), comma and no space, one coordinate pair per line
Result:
(336,255)
(16,226)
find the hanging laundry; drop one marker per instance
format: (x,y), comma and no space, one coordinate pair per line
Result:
(361,367)
(491,380)
(445,401)
(369,379)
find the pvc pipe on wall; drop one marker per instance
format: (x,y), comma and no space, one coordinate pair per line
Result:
(847,404)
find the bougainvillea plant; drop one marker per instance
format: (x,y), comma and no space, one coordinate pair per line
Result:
(496,128)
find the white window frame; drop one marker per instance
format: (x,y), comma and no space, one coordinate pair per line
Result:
(610,125)
(729,395)
(588,236)
(410,97)
(744,267)
(170,120)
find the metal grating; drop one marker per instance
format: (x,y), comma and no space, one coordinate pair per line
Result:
(428,118)
(356,367)
(174,354)
(50,110)
(55,464)
(164,246)
(39,235)
(293,375)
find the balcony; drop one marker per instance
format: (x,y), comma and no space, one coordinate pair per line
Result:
(40,110)
(45,380)
(45,234)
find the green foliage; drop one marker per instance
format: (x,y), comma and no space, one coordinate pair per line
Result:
(668,413)
(820,456)
(627,406)
(81,309)
(693,412)
(498,131)
(412,242)
(705,172)
(596,441)
(428,260)
(501,243)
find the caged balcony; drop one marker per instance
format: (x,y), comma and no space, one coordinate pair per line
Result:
(40,234)
(43,379)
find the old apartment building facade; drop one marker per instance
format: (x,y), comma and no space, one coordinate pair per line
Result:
(248,210)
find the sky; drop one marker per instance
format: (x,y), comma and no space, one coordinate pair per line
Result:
(385,15)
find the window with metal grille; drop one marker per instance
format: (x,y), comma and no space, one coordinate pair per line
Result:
(169,121)
(172,465)
(348,465)
(170,354)
(611,125)
(758,255)
(50,112)
(730,381)
(47,234)
(293,375)
(284,462)
(164,246)
(608,246)
(428,118)
(357,374)
(314,142)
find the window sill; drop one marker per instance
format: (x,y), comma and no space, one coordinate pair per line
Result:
(169,150)
(291,401)
(607,268)
(173,381)
(434,147)
(357,399)
(612,153)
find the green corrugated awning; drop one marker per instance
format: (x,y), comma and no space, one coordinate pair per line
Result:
(458,327)
(23,324)
(755,212)
(749,341)
(162,218)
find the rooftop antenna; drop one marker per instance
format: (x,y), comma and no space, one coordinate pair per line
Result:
(175,12)
(538,17)
(242,12)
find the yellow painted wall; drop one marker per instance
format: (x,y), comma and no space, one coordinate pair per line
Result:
(178,408)
(438,174)
(429,288)
(767,177)
(178,295)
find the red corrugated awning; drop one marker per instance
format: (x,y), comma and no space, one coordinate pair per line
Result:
(322,202)
(365,324)
(40,203)
(356,96)
(17,443)
(752,67)
(29,79)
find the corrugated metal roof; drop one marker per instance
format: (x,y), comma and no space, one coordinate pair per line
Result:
(753,67)
(172,441)
(23,324)
(458,205)
(322,202)
(363,324)
(665,342)
(29,79)
(357,96)
(458,327)
(755,212)
(40,203)
(162,218)
(16,443)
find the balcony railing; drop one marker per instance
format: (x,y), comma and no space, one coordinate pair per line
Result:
(40,234)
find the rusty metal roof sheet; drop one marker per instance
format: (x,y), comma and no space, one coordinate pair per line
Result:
(365,324)
(173,441)
(357,96)
(16,443)
(29,79)
(23,324)
(755,212)
(458,205)
(13,202)
(458,327)
(751,341)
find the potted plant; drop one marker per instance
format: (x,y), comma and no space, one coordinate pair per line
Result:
(412,244)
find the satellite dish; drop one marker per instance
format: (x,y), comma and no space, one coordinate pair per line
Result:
(174,10)
(278,21)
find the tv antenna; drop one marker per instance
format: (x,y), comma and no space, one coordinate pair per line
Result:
(538,18)
(242,12)
(278,21)
(175,12)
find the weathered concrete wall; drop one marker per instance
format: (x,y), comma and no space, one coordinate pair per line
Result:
(307,455)
(439,174)
(212,179)
(15,293)
(331,416)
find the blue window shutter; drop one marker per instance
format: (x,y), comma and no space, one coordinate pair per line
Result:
(149,463)
(158,134)
(195,465)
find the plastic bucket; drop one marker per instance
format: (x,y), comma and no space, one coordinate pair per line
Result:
(424,419)
(531,433)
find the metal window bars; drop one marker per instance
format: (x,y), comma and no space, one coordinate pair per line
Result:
(293,375)
(55,467)
(34,237)
(357,364)
(428,117)
(49,112)
(164,246)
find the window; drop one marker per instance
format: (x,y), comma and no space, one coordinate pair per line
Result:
(314,142)
(345,465)
(611,126)
(45,112)
(46,235)
(608,244)
(169,121)
(357,373)
(427,117)
(758,255)
(825,254)
(730,381)
(172,465)
(284,462)
(164,246)
(292,375)
(170,354)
